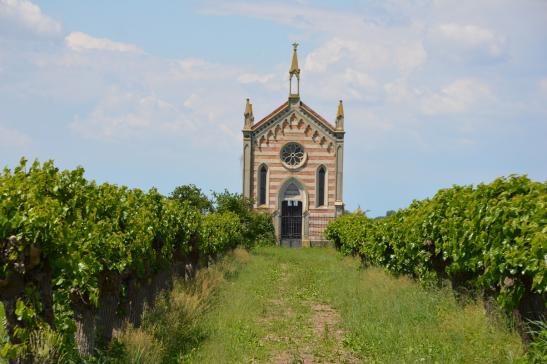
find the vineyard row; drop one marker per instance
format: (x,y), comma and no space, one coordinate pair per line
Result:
(82,258)
(490,239)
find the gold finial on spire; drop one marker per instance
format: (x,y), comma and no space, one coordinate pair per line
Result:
(340,116)
(294,65)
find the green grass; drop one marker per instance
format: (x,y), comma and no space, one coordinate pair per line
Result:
(272,311)
(3,334)
(312,305)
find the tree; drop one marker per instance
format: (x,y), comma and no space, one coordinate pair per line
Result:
(192,195)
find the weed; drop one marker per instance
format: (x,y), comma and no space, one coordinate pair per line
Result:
(537,352)
(141,347)
(47,346)
(170,331)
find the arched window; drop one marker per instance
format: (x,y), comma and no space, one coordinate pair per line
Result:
(320,193)
(262,185)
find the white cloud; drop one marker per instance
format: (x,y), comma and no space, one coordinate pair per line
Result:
(12,138)
(472,36)
(367,56)
(80,42)
(255,78)
(457,97)
(195,69)
(408,57)
(356,52)
(329,53)
(28,15)
(361,79)
(398,91)
(191,101)
(123,115)
(350,35)
(302,16)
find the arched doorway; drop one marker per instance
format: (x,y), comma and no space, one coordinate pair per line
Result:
(291,206)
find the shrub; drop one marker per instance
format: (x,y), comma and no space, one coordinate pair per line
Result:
(192,195)
(491,238)
(79,257)
(257,228)
(219,232)
(262,231)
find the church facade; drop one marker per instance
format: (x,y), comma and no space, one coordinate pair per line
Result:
(293,166)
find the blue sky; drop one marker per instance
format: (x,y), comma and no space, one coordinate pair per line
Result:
(151,93)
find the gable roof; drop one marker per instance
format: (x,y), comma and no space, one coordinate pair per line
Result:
(270,115)
(285,106)
(317,116)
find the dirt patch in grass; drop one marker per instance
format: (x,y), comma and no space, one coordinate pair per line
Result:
(325,345)
(326,321)
(326,325)
(293,358)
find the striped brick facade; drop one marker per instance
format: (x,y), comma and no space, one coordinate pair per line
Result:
(323,146)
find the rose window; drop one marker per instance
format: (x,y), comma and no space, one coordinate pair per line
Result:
(293,155)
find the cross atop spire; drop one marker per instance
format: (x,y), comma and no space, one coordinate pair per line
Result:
(294,71)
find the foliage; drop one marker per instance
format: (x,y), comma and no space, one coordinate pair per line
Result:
(261,229)
(220,231)
(537,351)
(491,237)
(256,227)
(233,202)
(347,232)
(192,195)
(62,237)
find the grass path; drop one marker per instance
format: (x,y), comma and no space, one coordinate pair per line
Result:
(283,306)
(313,306)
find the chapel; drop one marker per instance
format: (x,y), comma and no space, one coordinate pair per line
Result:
(293,166)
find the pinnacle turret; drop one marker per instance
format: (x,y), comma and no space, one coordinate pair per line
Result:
(340,116)
(248,114)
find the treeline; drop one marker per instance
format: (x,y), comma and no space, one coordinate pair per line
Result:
(82,258)
(490,239)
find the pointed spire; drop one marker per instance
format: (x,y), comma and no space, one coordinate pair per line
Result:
(294,65)
(340,112)
(340,116)
(248,108)
(248,114)
(294,71)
